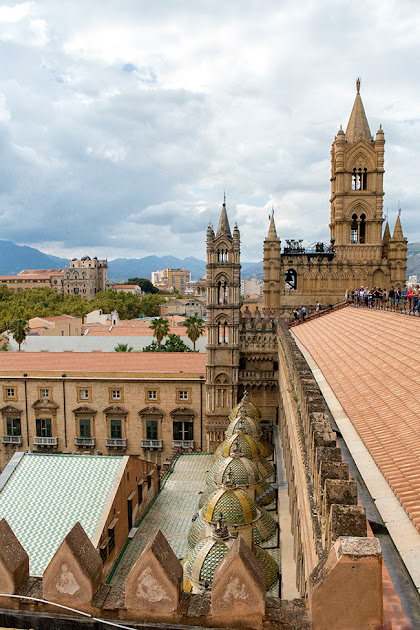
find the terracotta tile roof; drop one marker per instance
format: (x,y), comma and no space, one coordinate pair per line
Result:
(37,272)
(371,361)
(26,277)
(126,286)
(102,363)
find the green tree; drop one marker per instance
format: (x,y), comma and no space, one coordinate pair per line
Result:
(19,328)
(4,347)
(195,328)
(123,347)
(144,284)
(174,343)
(160,329)
(149,306)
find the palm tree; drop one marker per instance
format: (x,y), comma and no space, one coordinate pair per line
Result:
(123,347)
(160,329)
(195,328)
(19,328)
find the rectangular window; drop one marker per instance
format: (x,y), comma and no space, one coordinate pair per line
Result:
(43,427)
(103,551)
(84,427)
(151,429)
(149,481)
(183,395)
(76,290)
(152,394)
(116,394)
(116,429)
(44,393)
(13,426)
(84,394)
(10,392)
(183,431)
(140,492)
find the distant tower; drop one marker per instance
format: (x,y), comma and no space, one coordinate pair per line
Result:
(397,255)
(272,270)
(357,168)
(223,312)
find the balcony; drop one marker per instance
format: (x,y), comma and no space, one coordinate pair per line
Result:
(11,439)
(45,441)
(183,444)
(152,444)
(116,443)
(83,441)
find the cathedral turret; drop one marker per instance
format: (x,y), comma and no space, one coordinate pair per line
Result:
(223,312)
(397,255)
(357,162)
(358,126)
(272,263)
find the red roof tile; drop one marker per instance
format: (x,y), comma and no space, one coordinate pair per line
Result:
(371,361)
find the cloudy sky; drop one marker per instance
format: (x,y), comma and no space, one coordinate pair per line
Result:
(122,122)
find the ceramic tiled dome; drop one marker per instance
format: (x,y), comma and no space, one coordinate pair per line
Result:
(196,531)
(249,425)
(248,445)
(234,504)
(265,528)
(247,407)
(264,493)
(269,566)
(205,558)
(243,472)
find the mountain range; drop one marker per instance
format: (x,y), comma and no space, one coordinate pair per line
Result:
(14,258)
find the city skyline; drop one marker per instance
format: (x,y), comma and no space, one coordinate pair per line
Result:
(121,126)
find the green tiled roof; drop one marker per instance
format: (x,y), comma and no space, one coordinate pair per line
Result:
(47,494)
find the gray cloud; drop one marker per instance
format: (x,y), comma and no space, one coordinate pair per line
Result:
(122,123)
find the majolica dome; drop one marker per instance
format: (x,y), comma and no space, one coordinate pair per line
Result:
(206,556)
(248,445)
(234,504)
(248,407)
(269,565)
(196,532)
(246,423)
(264,493)
(243,471)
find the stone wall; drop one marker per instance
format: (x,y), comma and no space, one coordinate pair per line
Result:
(323,497)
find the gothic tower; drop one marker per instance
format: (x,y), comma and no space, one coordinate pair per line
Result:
(397,255)
(357,168)
(223,312)
(272,273)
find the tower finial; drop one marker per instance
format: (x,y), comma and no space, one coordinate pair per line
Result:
(358,84)
(224,197)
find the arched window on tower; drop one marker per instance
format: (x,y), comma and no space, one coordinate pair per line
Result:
(225,333)
(359,179)
(219,293)
(225,293)
(354,230)
(362,229)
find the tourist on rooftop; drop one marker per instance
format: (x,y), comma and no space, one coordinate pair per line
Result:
(392,297)
(303,311)
(416,298)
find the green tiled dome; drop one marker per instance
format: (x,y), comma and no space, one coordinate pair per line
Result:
(196,531)
(264,493)
(235,504)
(265,528)
(205,558)
(249,409)
(249,425)
(248,445)
(243,471)
(269,565)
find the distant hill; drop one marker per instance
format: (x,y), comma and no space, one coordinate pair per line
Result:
(413,260)
(15,258)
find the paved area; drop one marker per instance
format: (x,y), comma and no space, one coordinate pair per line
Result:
(172,513)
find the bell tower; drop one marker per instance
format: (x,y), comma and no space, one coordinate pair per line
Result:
(223,313)
(272,268)
(357,168)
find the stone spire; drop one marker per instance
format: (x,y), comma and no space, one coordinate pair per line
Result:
(272,234)
(358,126)
(398,233)
(387,233)
(224,227)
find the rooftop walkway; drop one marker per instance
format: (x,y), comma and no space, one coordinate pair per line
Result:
(172,513)
(367,364)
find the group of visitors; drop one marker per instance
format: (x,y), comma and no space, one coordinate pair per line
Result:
(403,300)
